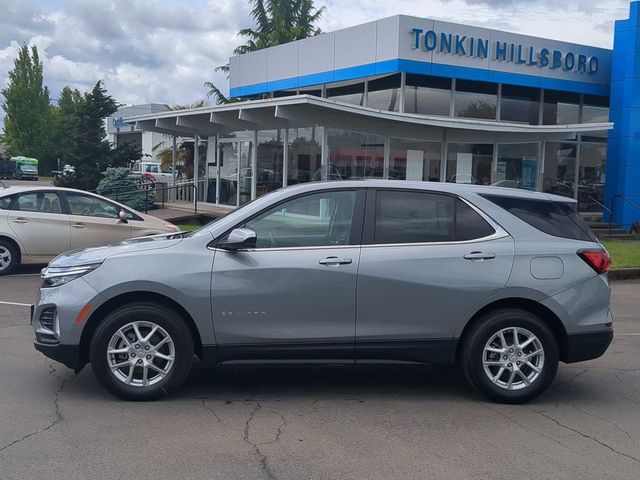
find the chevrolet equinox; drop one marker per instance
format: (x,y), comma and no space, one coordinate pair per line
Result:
(505,282)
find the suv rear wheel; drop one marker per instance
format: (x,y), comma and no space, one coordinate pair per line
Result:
(510,356)
(142,352)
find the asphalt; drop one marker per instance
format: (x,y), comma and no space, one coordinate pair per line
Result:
(316,422)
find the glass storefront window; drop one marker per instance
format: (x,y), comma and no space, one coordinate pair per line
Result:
(305,154)
(469,163)
(560,108)
(593,161)
(476,99)
(517,166)
(316,91)
(270,156)
(427,95)
(235,172)
(384,93)
(353,155)
(595,109)
(520,104)
(285,93)
(351,93)
(559,169)
(414,160)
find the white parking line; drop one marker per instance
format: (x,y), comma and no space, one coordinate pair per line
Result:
(23,275)
(17,304)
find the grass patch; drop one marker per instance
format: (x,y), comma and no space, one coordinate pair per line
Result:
(625,253)
(187,227)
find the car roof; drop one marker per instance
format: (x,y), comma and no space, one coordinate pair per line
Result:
(445,187)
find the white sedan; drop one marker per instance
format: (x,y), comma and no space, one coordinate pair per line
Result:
(38,223)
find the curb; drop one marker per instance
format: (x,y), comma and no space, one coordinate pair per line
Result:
(624,273)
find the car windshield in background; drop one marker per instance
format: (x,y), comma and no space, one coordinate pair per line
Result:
(560,219)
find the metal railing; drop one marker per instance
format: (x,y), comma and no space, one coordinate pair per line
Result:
(184,191)
(612,211)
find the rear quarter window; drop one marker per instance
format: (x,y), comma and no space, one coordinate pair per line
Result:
(4,203)
(560,219)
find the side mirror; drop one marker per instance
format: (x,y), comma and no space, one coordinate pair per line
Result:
(122,216)
(239,239)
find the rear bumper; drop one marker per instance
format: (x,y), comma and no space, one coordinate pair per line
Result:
(69,355)
(587,346)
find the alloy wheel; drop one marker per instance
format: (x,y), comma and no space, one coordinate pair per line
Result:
(141,354)
(5,258)
(513,358)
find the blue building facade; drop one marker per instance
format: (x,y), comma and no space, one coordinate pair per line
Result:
(622,188)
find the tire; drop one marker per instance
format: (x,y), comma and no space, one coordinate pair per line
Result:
(9,257)
(174,356)
(509,385)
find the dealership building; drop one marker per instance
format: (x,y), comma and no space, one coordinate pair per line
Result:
(411,98)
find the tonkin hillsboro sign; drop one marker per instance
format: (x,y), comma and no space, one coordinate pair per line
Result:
(498,51)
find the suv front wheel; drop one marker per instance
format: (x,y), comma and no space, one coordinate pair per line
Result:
(510,356)
(142,352)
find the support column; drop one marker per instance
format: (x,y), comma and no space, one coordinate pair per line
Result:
(174,150)
(623,159)
(254,166)
(196,168)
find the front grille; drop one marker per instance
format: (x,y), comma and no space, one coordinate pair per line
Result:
(45,334)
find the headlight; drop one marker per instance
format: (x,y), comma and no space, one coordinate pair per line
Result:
(56,276)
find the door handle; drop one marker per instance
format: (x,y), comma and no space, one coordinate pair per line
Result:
(335,261)
(20,220)
(479,256)
(78,225)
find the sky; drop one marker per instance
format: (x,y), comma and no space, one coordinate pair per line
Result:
(162,51)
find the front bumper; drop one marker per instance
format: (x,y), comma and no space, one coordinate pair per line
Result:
(587,346)
(69,355)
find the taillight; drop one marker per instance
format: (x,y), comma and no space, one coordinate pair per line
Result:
(599,260)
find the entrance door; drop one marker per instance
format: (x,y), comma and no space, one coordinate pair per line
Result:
(234,159)
(294,295)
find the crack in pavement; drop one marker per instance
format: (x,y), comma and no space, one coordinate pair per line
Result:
(610,422)
(264,461)
(58,412)
(555,440)
(206,407)
(584,435)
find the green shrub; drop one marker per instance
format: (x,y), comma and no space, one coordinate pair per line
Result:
(119,185)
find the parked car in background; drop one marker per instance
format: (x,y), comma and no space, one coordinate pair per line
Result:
(38,223)
(506,282)
(152,172)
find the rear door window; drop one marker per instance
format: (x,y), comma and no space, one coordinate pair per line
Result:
(424,217)
(413,217)
(43,202)
(560,219)
(469,224)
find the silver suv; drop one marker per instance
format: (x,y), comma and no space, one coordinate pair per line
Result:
(506,282)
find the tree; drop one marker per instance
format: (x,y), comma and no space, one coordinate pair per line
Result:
(83,135)
(277,22)
(119,185)
(30,121)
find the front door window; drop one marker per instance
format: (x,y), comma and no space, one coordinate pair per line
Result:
(322,219)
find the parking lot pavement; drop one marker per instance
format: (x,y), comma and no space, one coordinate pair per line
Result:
(317,422)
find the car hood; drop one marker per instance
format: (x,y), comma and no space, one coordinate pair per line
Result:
(96,254)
